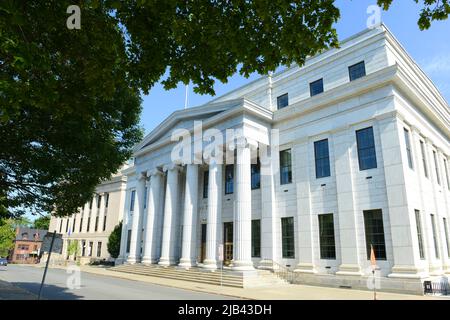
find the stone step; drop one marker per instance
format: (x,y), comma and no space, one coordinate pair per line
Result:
(177,272)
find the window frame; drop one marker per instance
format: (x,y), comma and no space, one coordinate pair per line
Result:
(408,148)
(312,85)
(352,68)
(424,159)
(372,231)
(436,167)
(419,231)
(256,238)
(362,165)
(205,184)
(318,160)
(327,241)
(280,99)
(229,179)
(288,167)
(435,236)
(255,172)
(287,238)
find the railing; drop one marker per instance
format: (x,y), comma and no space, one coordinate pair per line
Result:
(436,287)
(281,271)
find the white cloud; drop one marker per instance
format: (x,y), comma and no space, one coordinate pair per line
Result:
(438,65)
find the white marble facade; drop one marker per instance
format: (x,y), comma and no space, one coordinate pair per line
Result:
(169,221)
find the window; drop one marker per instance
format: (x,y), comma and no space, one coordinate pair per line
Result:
(282,101)
(96,223)
(285,167)
(408,149)
(88,224)
(133,196)
(287,238)
(90,203)
(91,245)
(106,200)
(74,223)
(60,226)
(436,167)
(99,249)
(446,174)
(436,243)
(99,201)
(447,240)
(256,238)
(104,223)
(322,157)
(83,248)
(229,177)
(373,223)
(67,225)
(256,175)
(326,237)
(424,158)
(419,234)
(128,241)
(81,225)
(316,87)
(357,71)
(366,149)
(205,184)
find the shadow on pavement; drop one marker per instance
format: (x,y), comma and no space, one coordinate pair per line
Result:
(49,292)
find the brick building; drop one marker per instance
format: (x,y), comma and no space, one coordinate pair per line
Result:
(27,245)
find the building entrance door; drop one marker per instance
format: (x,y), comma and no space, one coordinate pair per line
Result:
(203,244)
(228,243)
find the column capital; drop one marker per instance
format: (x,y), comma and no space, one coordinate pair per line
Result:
(154,172)
(243,142)
(142,175)
(172,167)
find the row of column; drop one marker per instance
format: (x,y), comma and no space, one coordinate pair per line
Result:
(242,214)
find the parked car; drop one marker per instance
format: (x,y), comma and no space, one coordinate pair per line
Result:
(3,262)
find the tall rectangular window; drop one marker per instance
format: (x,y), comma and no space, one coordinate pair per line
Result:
(128,241)
(420,234)
(374,228)
(74,223)
(90,203)
(60,225)
(88,227)
(287,238)
(106,200)
(99,249)
(357,71)
(81,225)
(256,175)
(205,184)
(229,179)
(435,236)
(91,246)
(99,201)
(285,167)
(104,222)
(67,225)
(282,101)
(326,237)
(366,149)
(132,199)
(322,158)
(83,248)
(447,239)
(408,149)
(447,174)
(256,238)
(96,223)
(436,167)
(316,87)
(145,197)
(424,158)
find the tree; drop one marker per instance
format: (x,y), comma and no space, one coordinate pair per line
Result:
(70,98)
(21,221)
(73,248)
(42,222)
(114,241)
(7,235)
(432,10)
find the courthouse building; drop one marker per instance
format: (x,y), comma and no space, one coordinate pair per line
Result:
(361,160)
(92,225)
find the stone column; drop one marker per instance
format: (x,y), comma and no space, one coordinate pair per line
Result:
(214,214)
(348,226)
(101,213)
(124,233)
(153,205)
(170,216)
(188,249)
(242,242)
(136,227)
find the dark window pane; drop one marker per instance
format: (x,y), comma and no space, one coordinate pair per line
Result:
(229,179)
(373,223)
(205,184)
(322,159)
(256,238)
(408,149)
(419,234)
(357,71)
(282,101)
(447,240)
(424,159)
(366,149)
(316,87)
(128,241)
(287,238)
(256,175)
(285,167)
(133,196)
(436,242)
(326,237)
(438,177)
(447,174)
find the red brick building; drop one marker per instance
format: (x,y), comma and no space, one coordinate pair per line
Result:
(27,245)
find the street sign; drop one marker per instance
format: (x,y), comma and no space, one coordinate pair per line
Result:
(57,244)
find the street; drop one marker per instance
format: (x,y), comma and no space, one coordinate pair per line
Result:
(96,287)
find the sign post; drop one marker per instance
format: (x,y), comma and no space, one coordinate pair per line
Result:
(49,245)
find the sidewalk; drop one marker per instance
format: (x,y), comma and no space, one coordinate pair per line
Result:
(11,292)
(282,292)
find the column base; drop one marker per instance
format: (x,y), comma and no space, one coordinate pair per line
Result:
(242,266)
(166,262)
(305,268)
(148,261)
(210,264)
(133,260)
(349,270)
(406,272)
(187,263)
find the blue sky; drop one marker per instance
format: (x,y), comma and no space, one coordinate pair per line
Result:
(429,48)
